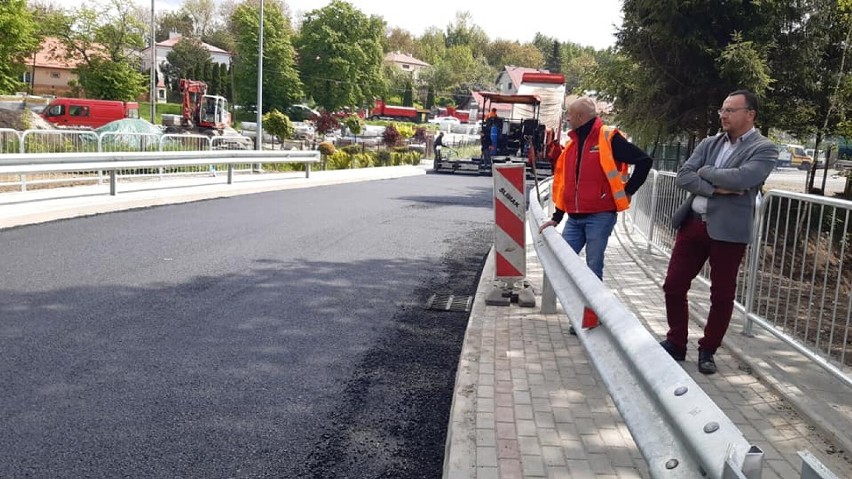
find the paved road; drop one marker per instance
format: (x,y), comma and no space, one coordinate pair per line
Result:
(278,334)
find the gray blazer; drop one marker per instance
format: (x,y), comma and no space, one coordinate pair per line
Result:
(729,217)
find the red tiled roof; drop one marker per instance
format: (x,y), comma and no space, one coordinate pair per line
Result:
(52,54)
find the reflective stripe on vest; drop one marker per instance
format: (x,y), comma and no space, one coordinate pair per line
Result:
(616,175)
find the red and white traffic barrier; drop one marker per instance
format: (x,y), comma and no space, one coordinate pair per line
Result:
(510,241)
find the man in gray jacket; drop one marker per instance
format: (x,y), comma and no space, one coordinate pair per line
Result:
(723,177)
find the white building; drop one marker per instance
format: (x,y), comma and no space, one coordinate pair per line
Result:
(165,47)
(406,62)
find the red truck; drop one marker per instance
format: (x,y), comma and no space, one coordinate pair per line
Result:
(383,111)
(463,115)
(86,112)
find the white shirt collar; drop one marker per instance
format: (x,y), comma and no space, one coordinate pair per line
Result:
(741,138)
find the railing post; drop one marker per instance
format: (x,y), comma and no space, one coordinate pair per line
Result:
(307,170)
(548,296)
(653,212)
(230,173)
(113,182)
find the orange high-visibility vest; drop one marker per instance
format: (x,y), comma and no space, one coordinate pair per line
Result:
(616,173)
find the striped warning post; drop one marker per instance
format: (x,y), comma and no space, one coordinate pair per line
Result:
(509,230)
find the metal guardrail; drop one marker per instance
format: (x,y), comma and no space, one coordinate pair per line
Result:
(113,163)
(680,431)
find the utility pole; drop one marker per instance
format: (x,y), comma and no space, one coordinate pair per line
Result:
(153,93)
(259,142)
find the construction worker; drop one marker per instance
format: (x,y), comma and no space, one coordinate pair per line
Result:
(589,182)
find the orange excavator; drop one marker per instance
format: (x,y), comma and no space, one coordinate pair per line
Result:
(200,112)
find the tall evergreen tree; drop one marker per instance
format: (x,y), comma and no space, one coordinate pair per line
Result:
(554,59)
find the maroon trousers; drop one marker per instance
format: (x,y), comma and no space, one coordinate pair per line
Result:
(692,248)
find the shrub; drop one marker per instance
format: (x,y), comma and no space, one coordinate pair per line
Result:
(339,161)
(326,123)
(391,136)
(278,124)
(384,158)
(405,129)
(354,123)
(352,149)
(362,160)
(420,134)
(326,148)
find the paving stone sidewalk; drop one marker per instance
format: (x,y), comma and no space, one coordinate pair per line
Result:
(528,404)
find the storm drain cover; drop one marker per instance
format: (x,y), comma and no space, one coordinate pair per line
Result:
(449,302)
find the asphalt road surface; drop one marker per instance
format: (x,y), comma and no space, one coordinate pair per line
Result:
(272,335)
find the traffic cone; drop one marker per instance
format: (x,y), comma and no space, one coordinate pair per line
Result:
(590,319)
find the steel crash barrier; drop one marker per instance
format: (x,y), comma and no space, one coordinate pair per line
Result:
(114,163)
(679,430)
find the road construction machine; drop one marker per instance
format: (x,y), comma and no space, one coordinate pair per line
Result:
(200,112)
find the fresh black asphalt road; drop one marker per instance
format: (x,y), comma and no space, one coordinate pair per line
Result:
(272,335)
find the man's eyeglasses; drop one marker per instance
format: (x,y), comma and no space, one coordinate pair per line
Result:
(728,111)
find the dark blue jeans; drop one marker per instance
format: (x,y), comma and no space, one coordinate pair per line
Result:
(591,231)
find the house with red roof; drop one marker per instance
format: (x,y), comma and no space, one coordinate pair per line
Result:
(49,70)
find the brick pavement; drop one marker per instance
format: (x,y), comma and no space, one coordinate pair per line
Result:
(528,404)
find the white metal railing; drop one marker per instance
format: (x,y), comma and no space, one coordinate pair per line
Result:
(62,141)
(680,431)
(793,282)
(113,163)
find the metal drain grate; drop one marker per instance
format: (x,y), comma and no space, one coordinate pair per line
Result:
(449,302)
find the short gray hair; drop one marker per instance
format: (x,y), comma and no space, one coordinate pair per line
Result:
(584,105)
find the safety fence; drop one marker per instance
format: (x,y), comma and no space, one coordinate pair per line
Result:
(796,282)
(99,166)
(680,431)
(87,141)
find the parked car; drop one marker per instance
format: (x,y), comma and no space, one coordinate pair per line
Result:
(301,113)
(445,122)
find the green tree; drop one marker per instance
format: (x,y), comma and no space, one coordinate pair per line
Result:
(103,37)
(278,124)
(20,40)
(554,59)
(187,57)
(687,65)
(431,46)
(281,84)
(507,52)
(408,95)
(102,78)
(176,22)
(340,54)
(399,40)
(202,13)
(463,32)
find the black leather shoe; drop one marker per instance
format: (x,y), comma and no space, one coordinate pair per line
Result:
(572,331)
(706,364)
(676,353)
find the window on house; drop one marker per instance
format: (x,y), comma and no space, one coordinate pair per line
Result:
(54,74)
(406,66)
(27,77)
